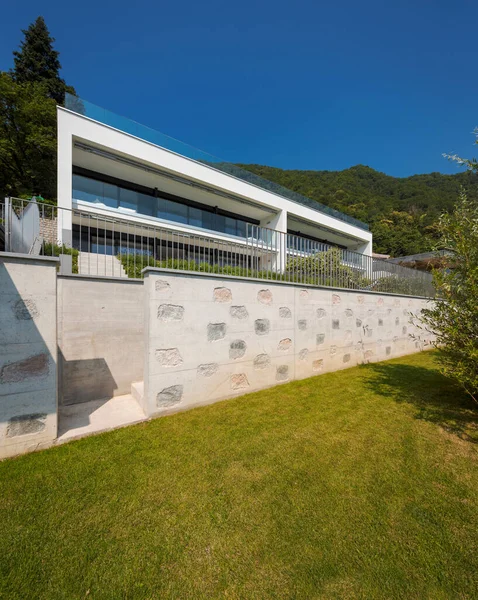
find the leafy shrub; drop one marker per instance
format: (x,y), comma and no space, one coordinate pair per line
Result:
(454,319)
(56,250)
(134,264)
(327,269)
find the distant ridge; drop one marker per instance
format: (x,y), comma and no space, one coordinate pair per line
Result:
(401,211)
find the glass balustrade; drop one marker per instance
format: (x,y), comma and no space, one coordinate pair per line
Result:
(126,125)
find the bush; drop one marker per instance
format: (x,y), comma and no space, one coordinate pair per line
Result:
(134,264)
(327,269)
(56,250)
(454,319)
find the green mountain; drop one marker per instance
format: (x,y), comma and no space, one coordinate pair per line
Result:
(401,212)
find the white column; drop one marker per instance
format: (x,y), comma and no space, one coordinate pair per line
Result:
(64,180)
(278,222)
(365,248)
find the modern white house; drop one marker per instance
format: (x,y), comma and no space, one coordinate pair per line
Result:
(122,185)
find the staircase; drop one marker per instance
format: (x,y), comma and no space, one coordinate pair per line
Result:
(90,263)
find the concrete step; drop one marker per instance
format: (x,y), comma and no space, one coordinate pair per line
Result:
(87,418)
(90,263)
(137,391)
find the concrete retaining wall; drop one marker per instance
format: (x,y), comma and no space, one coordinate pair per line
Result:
(211,337)
(100,337)
(28,353)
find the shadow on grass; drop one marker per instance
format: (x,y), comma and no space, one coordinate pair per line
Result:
(435,398)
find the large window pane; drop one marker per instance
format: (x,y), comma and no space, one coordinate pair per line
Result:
(220,223)
(88,190)
(110,195)
(195,216)
(208,220)
(147,205)
(128,199)
(173,211)
(241,228)
(230,226)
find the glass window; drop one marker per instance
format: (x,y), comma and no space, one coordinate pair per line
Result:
(128,199)
(110,195)
(241,228)
(195,216)
(230,226)
(208,220)
(102,244)
(146,205)
(113,196)
(220,223)
(173,211)
(88,190)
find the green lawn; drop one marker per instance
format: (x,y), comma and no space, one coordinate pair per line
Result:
(357,484)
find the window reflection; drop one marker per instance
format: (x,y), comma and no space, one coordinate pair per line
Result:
(91,190)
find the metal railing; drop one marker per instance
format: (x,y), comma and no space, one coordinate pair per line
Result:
(103,243)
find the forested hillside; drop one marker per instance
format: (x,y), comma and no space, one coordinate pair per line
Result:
(401,212)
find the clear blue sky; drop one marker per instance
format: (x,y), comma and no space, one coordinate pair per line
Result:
(298,84)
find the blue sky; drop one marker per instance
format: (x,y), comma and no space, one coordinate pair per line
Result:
(297,85)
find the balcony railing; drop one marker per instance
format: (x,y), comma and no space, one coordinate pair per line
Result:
(92,111)
(109,245)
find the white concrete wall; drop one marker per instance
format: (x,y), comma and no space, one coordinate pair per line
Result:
(28,353)
(211,337)
(74,126)
(100,337)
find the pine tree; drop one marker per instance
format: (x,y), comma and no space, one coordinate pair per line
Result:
(38,62)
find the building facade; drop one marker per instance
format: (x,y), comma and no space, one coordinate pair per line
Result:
(137,182)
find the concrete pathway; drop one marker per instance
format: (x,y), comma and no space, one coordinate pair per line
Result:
(90,263)
(79,420)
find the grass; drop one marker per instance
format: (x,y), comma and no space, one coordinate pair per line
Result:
(356,484)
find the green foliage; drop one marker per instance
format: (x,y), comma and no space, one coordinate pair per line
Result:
(402,212)
(55,250)
(38,62)
(27,138)
(28,97)
(454,321)
(326,268)
(134,263)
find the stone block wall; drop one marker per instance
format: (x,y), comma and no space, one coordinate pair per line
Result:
(28,353)
(212,337)
(49,230)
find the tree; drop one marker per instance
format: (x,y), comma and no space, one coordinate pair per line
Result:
(38,62)
(385,203)
(454,318)
(27,138)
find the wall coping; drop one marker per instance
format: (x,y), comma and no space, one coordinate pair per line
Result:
(101,278)
(30,257)
(152,270)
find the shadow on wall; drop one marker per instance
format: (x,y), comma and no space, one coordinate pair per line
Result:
(28,376)
(84,380)
(435,398)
